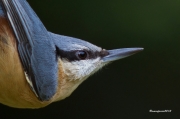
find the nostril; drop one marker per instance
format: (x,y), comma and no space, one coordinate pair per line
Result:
(104,53)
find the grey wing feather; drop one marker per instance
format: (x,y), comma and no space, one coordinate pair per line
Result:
(35,46)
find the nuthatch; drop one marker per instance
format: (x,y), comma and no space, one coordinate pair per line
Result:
(38,67)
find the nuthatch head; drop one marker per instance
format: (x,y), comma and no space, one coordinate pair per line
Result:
(38,67)
(79,59)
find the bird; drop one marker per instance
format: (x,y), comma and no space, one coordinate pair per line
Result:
(38,67)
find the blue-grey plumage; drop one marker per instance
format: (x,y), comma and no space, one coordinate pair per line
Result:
(38,67)
(1,10)
(33,41)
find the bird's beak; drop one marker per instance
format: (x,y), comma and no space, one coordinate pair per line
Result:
(120,53)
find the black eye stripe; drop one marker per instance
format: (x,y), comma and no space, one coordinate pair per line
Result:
(69,55)
(72,55)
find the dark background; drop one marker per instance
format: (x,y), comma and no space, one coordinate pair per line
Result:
(128,88)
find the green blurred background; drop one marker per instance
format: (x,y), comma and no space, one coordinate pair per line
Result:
(128,88)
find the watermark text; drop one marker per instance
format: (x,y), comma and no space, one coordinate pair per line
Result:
(159,111)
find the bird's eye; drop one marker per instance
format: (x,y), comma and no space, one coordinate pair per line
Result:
(82,55)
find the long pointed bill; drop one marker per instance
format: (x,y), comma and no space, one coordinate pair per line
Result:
(120,53)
